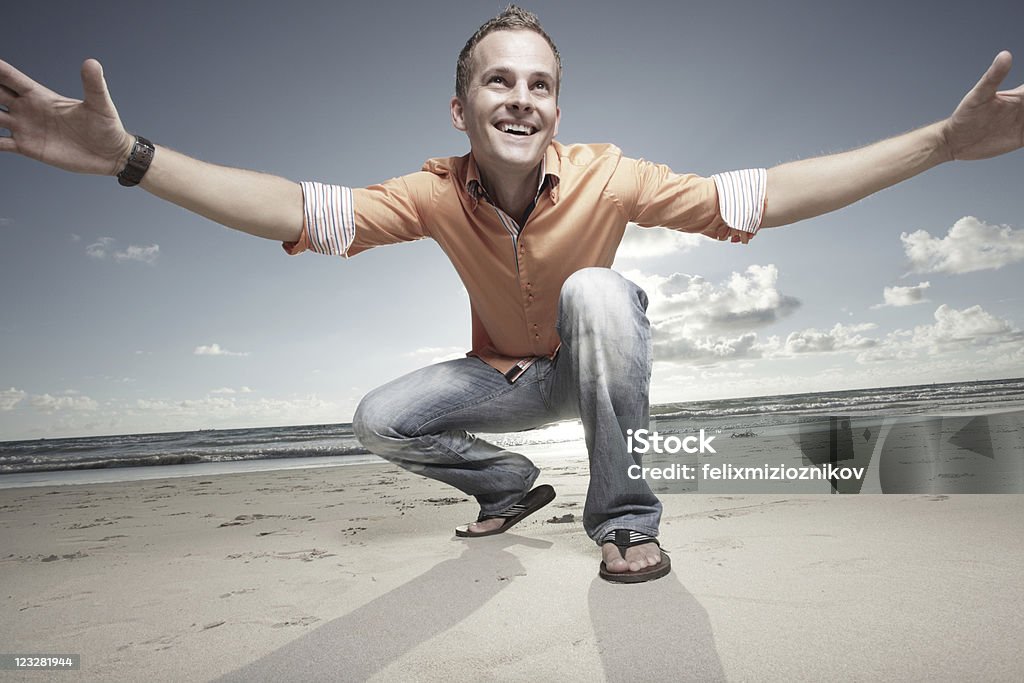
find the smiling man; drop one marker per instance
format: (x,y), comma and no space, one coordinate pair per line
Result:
(531,226)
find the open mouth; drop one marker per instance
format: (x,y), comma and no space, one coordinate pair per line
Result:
(521,129)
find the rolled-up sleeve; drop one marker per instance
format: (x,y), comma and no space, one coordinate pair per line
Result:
(342,221)
(741,197)
(328,220)
(727,206)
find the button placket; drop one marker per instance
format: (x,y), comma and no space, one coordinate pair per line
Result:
(526,292)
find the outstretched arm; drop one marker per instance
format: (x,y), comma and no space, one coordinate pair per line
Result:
(87,136)
(986,123)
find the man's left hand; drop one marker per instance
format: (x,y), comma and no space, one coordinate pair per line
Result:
(987,122)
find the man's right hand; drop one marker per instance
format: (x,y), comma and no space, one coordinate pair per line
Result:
(85,136)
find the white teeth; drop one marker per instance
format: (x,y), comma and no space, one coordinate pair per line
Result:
(519,128)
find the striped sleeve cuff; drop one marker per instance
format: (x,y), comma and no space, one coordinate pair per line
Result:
(330,217)
(741,196)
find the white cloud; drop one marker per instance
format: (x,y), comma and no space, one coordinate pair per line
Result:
(697,321)
(969,245)
(104,247)
(230,391)
(904,296)
(70,401)
(233,410)
(745,300)
(970,327)
(640,243)
(134,253)
(973,330)
(839,338)
(429,355)
(66,414)
(891,349)
(216,350)
(100,248)
(707,349)
(10,398)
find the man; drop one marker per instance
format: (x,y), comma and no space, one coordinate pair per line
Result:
(531,226)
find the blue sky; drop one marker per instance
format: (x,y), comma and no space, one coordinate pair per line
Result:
(123,314)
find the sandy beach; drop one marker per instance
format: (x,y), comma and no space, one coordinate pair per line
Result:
(353,573)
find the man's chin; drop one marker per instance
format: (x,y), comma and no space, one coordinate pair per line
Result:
(520,160)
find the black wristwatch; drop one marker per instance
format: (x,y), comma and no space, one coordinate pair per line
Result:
(138,162)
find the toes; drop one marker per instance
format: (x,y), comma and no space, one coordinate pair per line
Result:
(618,565)
(486,525)
(637,558)
(614,562)
(643,556)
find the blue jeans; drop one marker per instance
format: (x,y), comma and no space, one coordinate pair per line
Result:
(425,420)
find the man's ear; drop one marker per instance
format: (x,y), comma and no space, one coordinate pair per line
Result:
(458,114)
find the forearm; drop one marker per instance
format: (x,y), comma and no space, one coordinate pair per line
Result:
(803,189)
(257,203)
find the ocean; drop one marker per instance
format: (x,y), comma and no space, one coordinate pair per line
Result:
(133,456)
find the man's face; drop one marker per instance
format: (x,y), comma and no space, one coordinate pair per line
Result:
(510,112)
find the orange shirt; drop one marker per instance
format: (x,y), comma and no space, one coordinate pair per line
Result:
(514,274)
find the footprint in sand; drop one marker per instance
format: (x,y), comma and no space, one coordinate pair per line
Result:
(72,556)
(296,621)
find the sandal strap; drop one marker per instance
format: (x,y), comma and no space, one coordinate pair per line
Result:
(627,538)
(513,511)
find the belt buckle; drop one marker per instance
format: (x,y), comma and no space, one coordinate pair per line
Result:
(517,370)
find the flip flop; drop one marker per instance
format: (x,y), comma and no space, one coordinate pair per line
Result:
(623,539)
(530,503)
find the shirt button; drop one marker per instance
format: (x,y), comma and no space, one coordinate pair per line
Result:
(529,298)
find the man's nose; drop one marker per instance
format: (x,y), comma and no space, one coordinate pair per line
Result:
(519,97)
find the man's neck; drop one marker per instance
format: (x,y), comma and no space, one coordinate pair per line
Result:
(513,194)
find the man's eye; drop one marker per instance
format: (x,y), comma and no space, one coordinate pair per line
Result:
(541,85)
(497,79)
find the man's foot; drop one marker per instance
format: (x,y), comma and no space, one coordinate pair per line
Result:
(638,557)
(500,523)
(485,526)
(632,557)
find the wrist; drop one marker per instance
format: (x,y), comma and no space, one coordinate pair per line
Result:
(139,159)
(125,154)
(944,148)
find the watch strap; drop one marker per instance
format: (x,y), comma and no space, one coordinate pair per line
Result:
(138,162)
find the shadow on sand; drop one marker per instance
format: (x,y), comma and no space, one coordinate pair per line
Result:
(358,645)
(653,631)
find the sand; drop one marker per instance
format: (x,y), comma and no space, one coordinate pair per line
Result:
(353,573)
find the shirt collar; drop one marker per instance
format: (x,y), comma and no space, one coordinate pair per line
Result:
(549,177)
